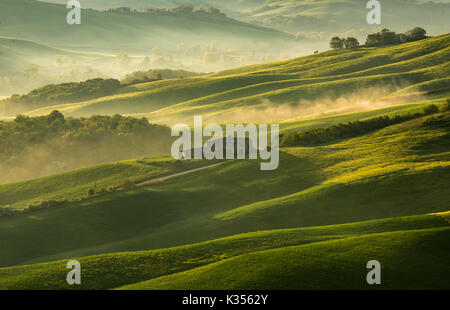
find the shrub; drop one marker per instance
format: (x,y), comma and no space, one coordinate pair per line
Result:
(446,106)
(91,192)
(430,109)
(128,184)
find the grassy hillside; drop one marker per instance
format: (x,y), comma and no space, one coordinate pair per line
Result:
(74,185)
(335,81)
(333,265)
(132,268)
(396,171)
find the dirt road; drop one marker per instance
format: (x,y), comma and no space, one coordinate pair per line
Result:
(162,179)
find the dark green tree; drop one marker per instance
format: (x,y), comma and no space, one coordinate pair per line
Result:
(336,43)
(416,34)
(351,42)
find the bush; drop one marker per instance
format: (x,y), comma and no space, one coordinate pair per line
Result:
(446,106)
(91,192)
(430,109)
(128,184)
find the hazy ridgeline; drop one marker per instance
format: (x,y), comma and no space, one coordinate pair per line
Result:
(316,19)
(39,146)
(33,52)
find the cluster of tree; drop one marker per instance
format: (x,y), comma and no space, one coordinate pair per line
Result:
(182,10)
(384,37)
(338,43)
(36,146)
(155,75)
(387,37)
(60,93)
(318,136)
(38,205)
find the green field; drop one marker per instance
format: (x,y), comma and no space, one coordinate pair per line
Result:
(307,249)
(313,223)
(75,185)
(396,171)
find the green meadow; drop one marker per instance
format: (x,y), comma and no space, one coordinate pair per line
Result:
(391,178)
(313,223)
(276,253)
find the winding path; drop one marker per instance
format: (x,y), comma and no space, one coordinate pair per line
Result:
(162,179)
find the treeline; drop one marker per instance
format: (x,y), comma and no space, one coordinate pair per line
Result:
(156,75)
(36,146)
(318,136)
(382,38)
(182,10)
(387,37)
(60,93)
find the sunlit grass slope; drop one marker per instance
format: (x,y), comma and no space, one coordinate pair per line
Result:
(393,74)
(397,171)
(75,185)
(115,270)
(415,259)
(321,120)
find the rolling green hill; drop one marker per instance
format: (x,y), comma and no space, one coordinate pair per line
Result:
(334,81)
(314,223)
(396,171)
(131,268)
(75,185)
(303,16)
(332,265)
(116,32)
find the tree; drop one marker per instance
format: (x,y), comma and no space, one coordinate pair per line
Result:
(373,39)
(387,37)
(336,43)
(55,115)
(401,38)
(416,34)
(351,42)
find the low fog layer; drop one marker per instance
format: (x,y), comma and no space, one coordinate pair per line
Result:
(358,101)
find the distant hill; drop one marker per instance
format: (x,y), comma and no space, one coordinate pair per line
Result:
(111,31)
(312,17)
